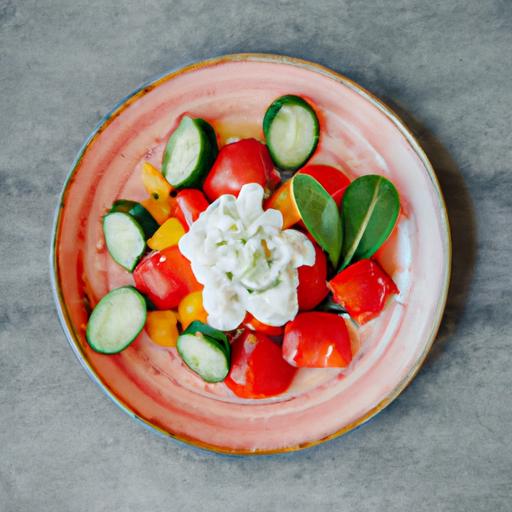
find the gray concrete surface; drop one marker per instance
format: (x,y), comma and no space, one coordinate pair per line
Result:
(445,444)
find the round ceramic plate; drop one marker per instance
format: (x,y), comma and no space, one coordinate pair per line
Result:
(359,134)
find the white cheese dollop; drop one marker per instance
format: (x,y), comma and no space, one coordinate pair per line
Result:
(246,261)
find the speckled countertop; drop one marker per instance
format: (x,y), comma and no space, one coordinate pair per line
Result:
(445,444)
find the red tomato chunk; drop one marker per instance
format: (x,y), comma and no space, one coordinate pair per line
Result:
(258,369)
(312,287)
(362,289)
(165,277)
(255,325)
(317,340)
(190,203)
(239,163)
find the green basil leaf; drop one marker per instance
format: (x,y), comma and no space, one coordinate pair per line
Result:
(370,210)
(214,334)
(319,213)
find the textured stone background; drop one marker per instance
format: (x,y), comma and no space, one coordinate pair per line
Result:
(446,66)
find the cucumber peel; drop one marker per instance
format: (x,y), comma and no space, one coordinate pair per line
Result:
(126,228)
(190,153)
(206,351)
(116,321)
(146,221)
(291,130)
(219,336)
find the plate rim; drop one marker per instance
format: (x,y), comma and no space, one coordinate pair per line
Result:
(143,89)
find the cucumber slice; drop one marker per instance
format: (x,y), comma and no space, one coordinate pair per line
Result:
(116,320)
(197,326)
(125,239)
(126,228)
(291,130)
(190,153)
(146,221)
(204,355)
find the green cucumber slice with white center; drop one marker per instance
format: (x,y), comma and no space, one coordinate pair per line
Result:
(116,321)
(126,228)
(206,355)
(218,336)
(146,221)
(190,153)
(291,130)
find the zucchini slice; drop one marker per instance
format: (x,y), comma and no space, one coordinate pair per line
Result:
(291,130)
(205,355)
(126,228)
(190,153)
(116,321)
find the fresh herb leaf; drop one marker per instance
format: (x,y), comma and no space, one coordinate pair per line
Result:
(319,213)
(370,209)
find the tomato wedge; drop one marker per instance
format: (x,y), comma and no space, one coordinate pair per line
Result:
(190,203)
(255,325)
(362,289)
(165,277)
(258,369)
(317,340)
(312,287)
(239,163)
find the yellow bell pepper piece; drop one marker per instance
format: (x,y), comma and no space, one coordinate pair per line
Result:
(154,182)
(167,235)
(191,308)
(162,327)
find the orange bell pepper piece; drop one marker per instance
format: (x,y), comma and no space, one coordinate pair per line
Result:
(282,200)
(160,204)
(154,182)
(162,327)
(160,209)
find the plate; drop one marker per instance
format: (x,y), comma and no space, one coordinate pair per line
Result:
(358,133)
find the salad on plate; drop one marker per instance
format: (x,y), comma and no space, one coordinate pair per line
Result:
(248,261)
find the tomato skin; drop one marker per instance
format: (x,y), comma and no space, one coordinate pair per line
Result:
(190,203)
(312,287)
(165,277)
(258,369)
(238,163)
(317,340)
(254,324)
(331,178)
(362,289)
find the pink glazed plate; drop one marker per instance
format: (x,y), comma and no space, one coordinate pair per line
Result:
(358,133)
